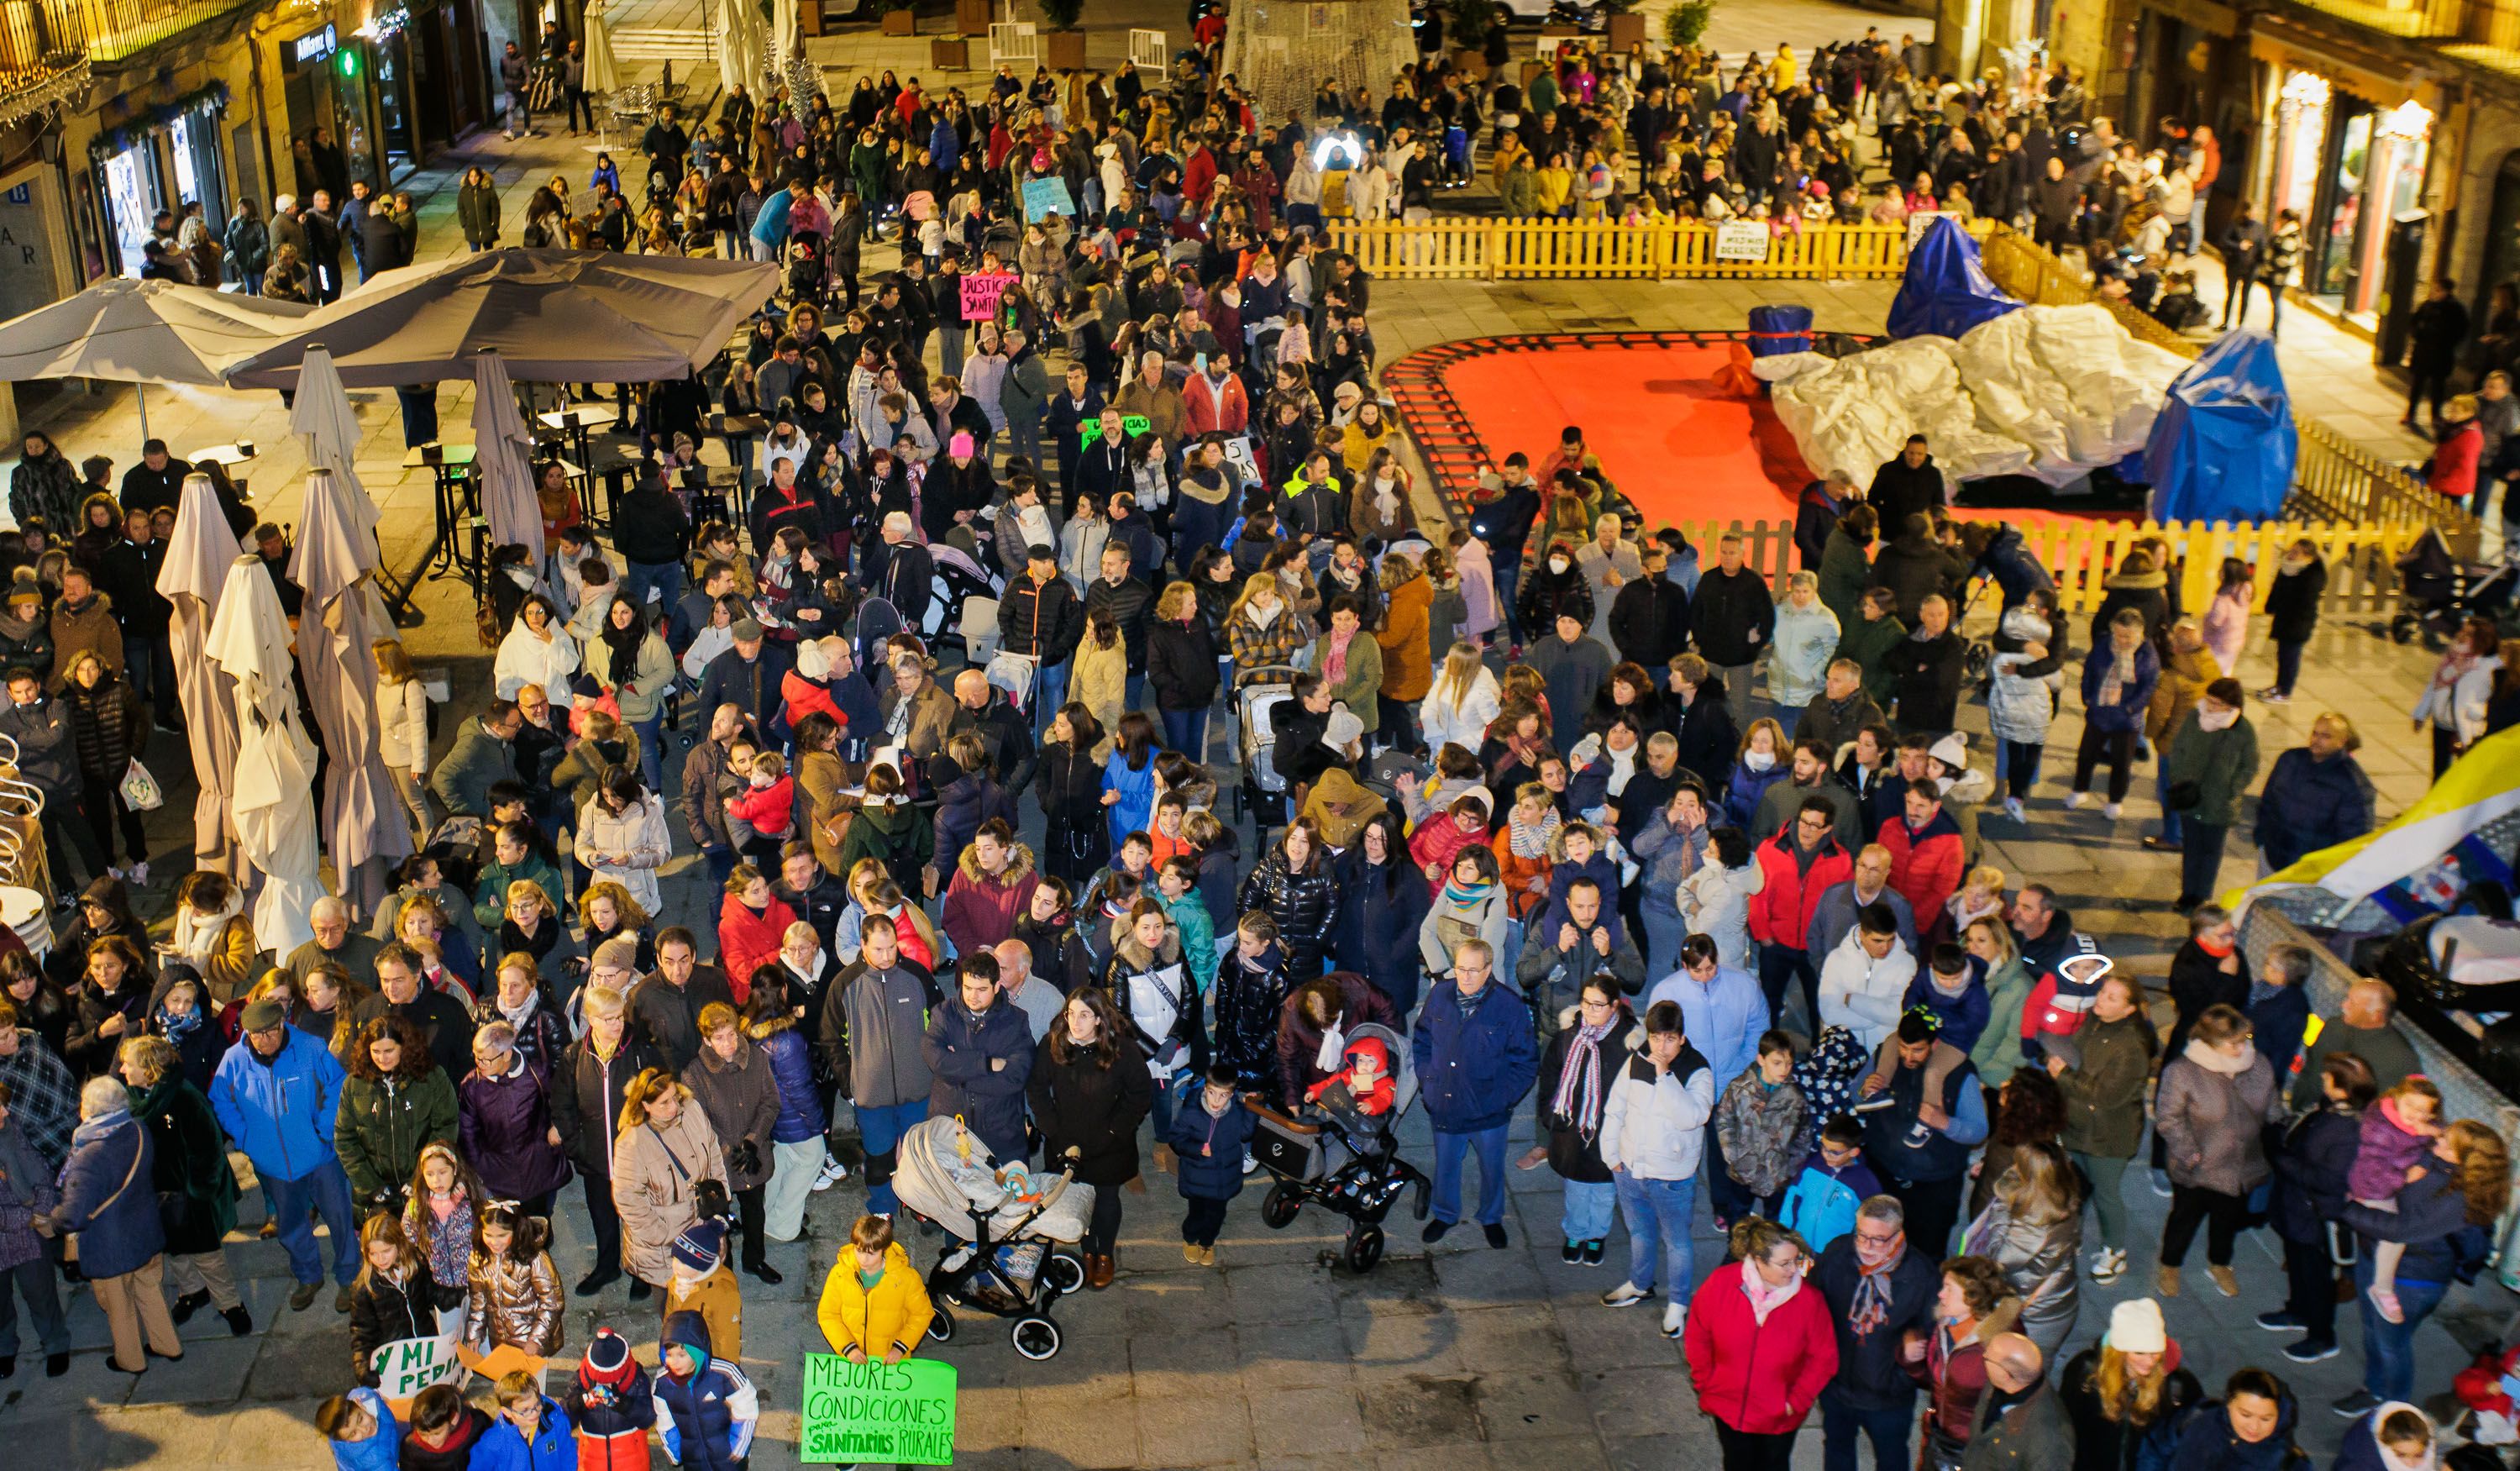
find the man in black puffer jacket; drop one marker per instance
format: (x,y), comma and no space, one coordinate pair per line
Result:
(1905,486)
(1734,617)
(652,533)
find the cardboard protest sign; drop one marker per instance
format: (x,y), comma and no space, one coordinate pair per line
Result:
(981,293)
(409,1365)
(1131,425)
(1741,240)
(875,1411)
(1047,197)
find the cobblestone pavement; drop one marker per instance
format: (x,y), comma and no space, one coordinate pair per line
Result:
(1456,1358)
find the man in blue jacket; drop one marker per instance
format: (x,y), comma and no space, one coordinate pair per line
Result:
(980,1056)
(1475,1060)
(277,1093)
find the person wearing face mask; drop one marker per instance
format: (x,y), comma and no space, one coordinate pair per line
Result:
(2206,770)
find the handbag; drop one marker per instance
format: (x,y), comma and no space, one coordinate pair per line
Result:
(140,790)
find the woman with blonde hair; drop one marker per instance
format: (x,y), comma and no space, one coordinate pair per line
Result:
(195,1187)
(1098,678)
(1262,630)
(2118,1390)
(532,926)
(604,909)
(662,1151)
(1462,703)
(402,729)
(2032,1228)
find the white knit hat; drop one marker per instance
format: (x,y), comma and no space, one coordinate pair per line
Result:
(2135,1327)
(1345,730)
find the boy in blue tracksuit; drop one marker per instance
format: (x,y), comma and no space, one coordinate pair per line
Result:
(361,1427)
(1820,1202)
(531,1433)
(1210,1139)
(706,1410)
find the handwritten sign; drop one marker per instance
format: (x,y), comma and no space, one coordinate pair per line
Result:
(1921,220)
(1131,426)
(981,293)
(899,1413)
(1047,197)
(1741,240)
(408,1365)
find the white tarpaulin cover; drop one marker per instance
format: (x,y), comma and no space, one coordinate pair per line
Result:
(2050,392)
(273,788)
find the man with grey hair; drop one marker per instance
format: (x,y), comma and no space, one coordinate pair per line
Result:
(278,1092)
(2362,1027)
(1880,1297)
(1150,394)
(508,1132)
(122,1244)
(1608,562)
(1037,999)
(337,942)
(2021,1424)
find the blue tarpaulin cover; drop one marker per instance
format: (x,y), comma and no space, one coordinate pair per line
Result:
(1946,291)
(2224,447)
(1779,329)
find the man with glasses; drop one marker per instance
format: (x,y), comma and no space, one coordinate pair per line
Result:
(1881,1300)
(277,1094)
(1475,1060)
(1797,866)
(336,941)
(445,1022)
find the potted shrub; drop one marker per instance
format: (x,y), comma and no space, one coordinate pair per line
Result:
(1468,20)
(950,53)
(1685,24)
(1063,49)
(900,18)
(971,17)
(1622,27)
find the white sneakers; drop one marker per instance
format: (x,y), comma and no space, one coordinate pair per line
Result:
(1625,1295)
(2013,809)
(2107,1264)
(832,1172)
(1675,1319)
(2111,810)
(2077,801)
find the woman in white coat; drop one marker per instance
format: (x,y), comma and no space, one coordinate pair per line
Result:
(1715,900)
(2455,698)
(537,651)
(621,835)
(1807,634)
(1456,711)
(402,729)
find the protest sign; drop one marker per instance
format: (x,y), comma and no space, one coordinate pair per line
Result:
(1741,240)
(875,1411)
(408,1365)
(1131,425)
(981,293)
(1047,196)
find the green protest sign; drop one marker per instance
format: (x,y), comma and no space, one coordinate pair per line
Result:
(875,1411)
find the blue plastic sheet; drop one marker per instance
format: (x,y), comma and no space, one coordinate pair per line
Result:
(2225,445)
(1779,329)
(1946,291)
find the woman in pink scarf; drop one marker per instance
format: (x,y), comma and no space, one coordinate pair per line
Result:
(1351,667)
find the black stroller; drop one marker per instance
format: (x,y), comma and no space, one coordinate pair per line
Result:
(2437,593)
(1343,1160)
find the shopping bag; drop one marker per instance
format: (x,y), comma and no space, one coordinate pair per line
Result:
(140,790)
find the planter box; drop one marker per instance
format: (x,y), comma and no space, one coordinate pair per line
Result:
(950,53)
(1064,50)
(1471,63)
(809,16)
(972,16)
(901,22)
(1626,29)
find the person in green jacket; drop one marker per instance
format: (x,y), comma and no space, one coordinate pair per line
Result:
(1846,563)
(2206,771)
(1868,639)
(1997,1053)
(1518,192)
(512,858)
(2103,1086)
(1350,663)
(396,1103)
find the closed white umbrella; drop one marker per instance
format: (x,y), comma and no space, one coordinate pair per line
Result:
(323,416)
(197,557)
(782,34)
(337,632)
(273,788)
(603,73)
(503,456)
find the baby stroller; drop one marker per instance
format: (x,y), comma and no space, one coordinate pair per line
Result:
(1342,1158)
(1263,792)
(1007,1225)
(2438,593)
(960,577)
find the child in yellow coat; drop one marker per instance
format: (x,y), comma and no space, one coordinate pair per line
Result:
(874,1306)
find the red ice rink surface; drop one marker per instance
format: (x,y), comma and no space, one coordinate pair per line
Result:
(1672,442)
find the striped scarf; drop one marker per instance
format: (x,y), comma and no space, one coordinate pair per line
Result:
(1579,1083)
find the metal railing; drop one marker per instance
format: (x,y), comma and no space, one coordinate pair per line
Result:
(39,44)
(115,29)
(2333,478)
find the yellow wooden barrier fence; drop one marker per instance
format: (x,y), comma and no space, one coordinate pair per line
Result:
(1501,250)
(2081,553)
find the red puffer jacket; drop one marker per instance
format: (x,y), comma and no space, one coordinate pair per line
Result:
(1768,1375)
(1781,913)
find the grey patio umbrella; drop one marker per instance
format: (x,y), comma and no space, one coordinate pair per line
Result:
(503,456)
(143,331)
(273,789)
(336,633)
(197,557)
(557,315)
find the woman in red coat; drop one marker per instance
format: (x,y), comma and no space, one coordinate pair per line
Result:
(1760,1346)
(752,924)
(2453,468)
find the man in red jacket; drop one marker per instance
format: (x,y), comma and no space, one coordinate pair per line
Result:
(1797,866)
(1926,860)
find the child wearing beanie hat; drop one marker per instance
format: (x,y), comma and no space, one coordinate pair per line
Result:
(702,1284)
(611,1407)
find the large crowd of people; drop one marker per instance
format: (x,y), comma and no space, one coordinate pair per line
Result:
(1603,823)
